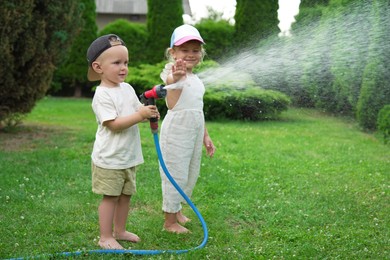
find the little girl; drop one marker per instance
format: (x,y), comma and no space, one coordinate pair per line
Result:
(183,129)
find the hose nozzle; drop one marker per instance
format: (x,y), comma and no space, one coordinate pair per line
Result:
(155,93)
(149,98)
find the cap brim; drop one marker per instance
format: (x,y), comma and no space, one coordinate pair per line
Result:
(188,38)
(92,75)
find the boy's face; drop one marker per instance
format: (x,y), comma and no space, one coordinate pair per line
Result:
(190,52)
(112,66)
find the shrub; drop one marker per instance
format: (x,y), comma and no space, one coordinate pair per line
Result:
(384,122)
(228,100)
(252,103)
(10,123)
(218,36)
(35,36)
(238,97)
(70,78)
(214,105)
(375,90)
(163,17)
(133,34)
(144,77)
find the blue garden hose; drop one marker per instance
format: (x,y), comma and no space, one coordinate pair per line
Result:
(147,252)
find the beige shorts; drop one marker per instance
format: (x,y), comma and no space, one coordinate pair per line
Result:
(113,182)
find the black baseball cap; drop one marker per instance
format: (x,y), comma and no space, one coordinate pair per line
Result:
(96,48)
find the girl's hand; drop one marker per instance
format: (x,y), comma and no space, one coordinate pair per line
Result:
(210,148)
(179,70)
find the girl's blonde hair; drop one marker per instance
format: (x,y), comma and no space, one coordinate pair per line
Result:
(169,57)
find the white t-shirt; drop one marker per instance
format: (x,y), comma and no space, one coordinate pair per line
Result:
(116,150)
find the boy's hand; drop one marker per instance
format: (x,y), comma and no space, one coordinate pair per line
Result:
(147,112)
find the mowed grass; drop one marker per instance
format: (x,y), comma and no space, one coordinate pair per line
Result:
(309,186)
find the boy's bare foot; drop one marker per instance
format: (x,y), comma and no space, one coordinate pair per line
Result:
(109,243)
(128,236)
(176,228)
(181,218)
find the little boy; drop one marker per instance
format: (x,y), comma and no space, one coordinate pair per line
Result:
(117,148)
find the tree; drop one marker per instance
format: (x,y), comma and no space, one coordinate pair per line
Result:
(375,92)
(163,17)
(133,34)
(218,36)
(72,73)
(34,37)
(313,3)
(310,12)
(349,52)
(255,20)
(305,31)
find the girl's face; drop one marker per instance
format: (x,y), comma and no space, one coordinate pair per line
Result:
(190,52)
(113,65)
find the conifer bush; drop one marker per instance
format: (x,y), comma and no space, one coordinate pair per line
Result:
(384,122)
(134,35)
(35,36)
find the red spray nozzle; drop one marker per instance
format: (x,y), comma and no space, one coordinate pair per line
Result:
(156,92)
(149,98)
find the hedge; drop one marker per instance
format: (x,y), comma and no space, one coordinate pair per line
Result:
(384,122)
(223,101)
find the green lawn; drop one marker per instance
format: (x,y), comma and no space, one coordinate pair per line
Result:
(307,186)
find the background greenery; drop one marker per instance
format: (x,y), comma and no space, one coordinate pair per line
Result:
(39,39)
(35,36)
(310,186)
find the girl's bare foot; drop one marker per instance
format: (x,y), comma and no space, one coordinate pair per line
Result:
(109,243)
(128,236)
(181,218)
(176,228)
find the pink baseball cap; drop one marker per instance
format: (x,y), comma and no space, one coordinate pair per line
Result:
(185,33)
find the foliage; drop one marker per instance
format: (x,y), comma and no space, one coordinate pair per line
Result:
(133,34)
(375,90)
(163,18)
(317,77)
(309,186)
(218,36)
(255,20)
(12,122)
(312,3)
(251,103)
(307,21)
(71,75)
(205,65)
(143,77)
(35,36)
(309,14)
(225,101)
(384,122)
(344,65)
(348,72)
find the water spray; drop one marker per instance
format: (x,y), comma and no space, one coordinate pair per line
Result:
(317,51)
